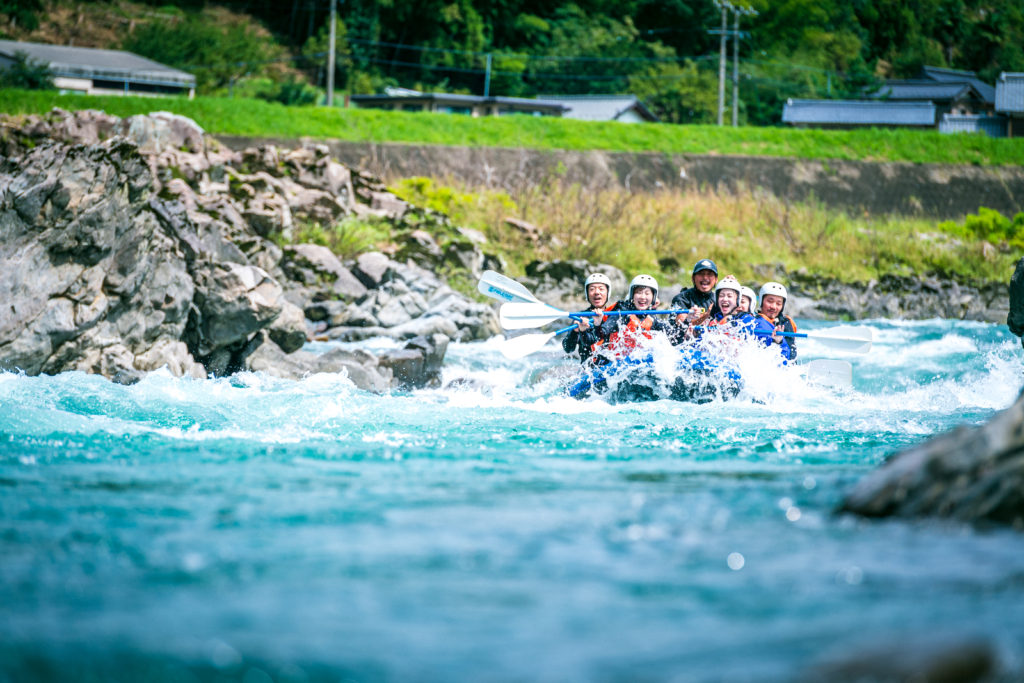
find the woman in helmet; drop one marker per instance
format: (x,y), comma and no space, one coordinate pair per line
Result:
(582,338)
(621,334)
(773,297)
(727,299)
(748,300)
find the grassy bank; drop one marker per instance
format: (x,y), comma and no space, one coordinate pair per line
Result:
(229,116)
(748,234)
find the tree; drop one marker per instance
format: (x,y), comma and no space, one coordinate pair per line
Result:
(26,73)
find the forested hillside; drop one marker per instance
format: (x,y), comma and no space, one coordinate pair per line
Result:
(665,51)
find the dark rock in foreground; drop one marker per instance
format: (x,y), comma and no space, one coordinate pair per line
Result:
(942,659)
(971,474)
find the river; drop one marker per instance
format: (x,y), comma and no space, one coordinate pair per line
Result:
(261,529)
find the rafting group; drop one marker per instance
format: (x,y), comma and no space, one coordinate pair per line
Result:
(612,330)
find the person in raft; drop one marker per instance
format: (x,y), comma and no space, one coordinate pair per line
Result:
(773,297)
(581,339)
(727,309)
(620,334)
(700,298)
(748,300)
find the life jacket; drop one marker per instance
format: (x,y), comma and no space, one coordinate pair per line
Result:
(627,334)
(788,325)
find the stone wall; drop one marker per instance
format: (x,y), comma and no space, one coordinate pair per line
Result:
(939,191)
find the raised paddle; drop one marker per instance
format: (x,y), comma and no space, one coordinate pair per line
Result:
(497,286)
(522,346)
(521,316)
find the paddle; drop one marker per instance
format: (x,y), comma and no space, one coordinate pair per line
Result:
(844,338)
(520,316)
(522,346)
(833,373)
(497,286)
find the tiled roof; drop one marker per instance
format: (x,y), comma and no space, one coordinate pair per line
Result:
(923,91)
(1010,92)
(934,73)
(87,62)
(859,113)
(601,107)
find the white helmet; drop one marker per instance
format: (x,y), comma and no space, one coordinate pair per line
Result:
(598,279)
(643,281)
(773,288)
(729,282)
(749,293)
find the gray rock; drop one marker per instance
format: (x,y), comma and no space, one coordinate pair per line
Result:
(418,364)
(971,474)
(232,302)
(312,264)
(372,268)
(288,330)
(934,659)
(359,366)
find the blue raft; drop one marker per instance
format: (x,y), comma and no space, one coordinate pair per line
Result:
(698,379)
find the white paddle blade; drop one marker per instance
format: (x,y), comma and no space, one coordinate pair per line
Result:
(849,339)
(830,373)
(522,346)
(498,286)
(521,316)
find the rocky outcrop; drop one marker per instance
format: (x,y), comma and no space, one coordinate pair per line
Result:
(971,474)
(133,244)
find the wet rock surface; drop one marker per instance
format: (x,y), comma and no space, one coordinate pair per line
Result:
(133,244)
(971,474)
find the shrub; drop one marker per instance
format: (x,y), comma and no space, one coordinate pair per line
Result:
(26,73)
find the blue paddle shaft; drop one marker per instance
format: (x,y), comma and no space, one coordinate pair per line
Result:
(588,314)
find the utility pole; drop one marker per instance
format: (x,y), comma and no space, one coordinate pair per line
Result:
(724,6)
(330,55)
(487,77)
(735,67)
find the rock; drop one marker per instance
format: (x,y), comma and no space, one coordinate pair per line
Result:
(418,364)
(288,330)
(174,356)
(232,303)
(360,367)
(313,264)
(943,659)
(971,474)
(371,269)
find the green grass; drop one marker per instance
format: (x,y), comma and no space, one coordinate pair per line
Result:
(228,116)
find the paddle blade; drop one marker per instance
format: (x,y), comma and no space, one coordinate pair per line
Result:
(522,346)
(498,286)
(849,339)
(831,373)
(521,316)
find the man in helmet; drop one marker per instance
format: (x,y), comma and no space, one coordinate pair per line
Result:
(701,297)
(598,289)
(773,297)
(621,334)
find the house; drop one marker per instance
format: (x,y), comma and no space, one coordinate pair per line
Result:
(960,98)
(625,108)
(1010,101)
(845,114)
(101,72)
(400,99)
(934,73)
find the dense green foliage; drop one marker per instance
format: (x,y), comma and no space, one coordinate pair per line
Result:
(26,73)
(664,50)
(990,226)
(236,116)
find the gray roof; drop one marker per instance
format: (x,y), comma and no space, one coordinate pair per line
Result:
(859,113)
(934,73)
(87,62)
(459,100)
(602,107)
(1010,92)
(924,91)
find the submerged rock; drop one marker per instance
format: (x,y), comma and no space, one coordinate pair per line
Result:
(971,474)
(943,659)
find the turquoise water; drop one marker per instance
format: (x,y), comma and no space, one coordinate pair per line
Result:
(260,529)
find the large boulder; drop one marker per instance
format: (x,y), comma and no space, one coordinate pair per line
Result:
(971,474)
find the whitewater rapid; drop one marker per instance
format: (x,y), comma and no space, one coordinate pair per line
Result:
(492,527)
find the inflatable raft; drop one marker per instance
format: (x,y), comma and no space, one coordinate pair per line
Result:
(697,378)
